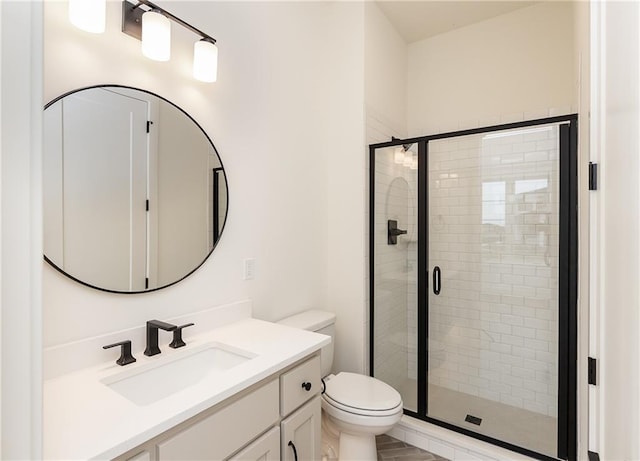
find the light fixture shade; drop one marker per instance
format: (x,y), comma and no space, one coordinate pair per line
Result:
(88,15)
(205,60)
(408,159)
(156,36)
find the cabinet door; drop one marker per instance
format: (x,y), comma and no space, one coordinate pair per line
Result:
(225,431)
(266,448)
(144,456)
(301,433)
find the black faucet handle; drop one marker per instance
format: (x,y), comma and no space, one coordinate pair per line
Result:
(177,336)
(125,352)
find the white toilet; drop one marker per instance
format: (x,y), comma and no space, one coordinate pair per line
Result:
(355,408)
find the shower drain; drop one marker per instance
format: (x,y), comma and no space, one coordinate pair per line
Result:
(473,420)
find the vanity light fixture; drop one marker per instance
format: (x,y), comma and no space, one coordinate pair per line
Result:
(156,35)
(88,15)
(145,24)
(205,60)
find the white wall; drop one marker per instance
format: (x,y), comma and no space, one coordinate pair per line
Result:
(268,116)
(21,230)
(513,67)
(345,176)
(385,79)
(616,294)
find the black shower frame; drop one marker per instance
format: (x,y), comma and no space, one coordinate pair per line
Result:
(568,279)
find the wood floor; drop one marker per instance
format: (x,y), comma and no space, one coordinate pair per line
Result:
(390,449)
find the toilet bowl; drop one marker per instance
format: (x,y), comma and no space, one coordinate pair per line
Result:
(359,407)
(355,407)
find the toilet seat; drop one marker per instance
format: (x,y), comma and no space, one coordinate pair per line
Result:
(362,395)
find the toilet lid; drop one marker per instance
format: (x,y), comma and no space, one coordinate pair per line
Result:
(362,392)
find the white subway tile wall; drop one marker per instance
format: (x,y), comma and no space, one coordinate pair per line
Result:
(494,232)
(395,198)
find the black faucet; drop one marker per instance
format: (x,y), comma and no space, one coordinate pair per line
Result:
(177,336)
(152,335)
(125,352)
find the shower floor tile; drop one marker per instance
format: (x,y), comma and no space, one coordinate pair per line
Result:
(391,449)
(514,425)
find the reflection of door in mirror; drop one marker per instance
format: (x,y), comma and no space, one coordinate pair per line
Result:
(96,180)
(184,159)
(129,203)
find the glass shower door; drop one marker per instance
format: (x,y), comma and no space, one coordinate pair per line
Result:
(473,290)
(493,297)
(393,261)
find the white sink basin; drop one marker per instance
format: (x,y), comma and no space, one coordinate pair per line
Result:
(148,383)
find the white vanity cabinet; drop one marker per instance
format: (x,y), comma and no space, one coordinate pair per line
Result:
(256,424)
(142,456)
(301,429)
(220,434)
(301,433)
(266,448)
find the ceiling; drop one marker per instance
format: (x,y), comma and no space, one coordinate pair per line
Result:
(417,20)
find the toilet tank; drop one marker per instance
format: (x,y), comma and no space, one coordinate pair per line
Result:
(318,321)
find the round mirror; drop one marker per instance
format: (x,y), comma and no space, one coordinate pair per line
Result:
(135,196)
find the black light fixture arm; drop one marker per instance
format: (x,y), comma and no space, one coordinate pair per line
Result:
(186,25)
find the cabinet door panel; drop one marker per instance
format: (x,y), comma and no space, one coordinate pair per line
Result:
(302,429)
(144,456)
(227,430)
(266,448)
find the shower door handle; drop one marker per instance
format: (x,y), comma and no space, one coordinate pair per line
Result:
(437,280)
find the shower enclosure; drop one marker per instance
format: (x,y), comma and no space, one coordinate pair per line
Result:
(473,276)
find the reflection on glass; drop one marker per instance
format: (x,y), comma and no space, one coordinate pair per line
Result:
(493,203)
(530,185)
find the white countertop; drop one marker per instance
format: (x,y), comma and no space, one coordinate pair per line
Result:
(85,419)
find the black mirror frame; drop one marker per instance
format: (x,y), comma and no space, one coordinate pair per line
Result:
(75,279)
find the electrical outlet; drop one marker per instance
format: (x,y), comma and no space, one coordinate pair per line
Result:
(249,269)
